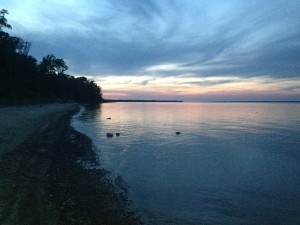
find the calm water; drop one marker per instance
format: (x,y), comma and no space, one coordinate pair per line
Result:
(233,163)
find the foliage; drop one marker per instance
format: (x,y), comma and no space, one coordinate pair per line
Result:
(3,20)
(52,65)
(24,79)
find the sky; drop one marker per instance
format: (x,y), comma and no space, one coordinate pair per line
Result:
(190,50)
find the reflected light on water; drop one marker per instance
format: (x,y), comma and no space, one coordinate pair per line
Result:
(232,163)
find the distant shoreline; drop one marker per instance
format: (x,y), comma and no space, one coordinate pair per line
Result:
(120,100)
(249,102)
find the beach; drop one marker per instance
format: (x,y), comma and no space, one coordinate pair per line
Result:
(44,178)
(17,123)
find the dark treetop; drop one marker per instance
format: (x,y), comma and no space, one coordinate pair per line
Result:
(23,79)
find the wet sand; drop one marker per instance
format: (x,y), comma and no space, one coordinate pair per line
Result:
(42,174)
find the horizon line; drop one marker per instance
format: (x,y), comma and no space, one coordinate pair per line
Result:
(209,101)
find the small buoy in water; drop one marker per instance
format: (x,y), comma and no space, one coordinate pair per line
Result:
(108,118)
(109,135)
(117,134)
(177,133)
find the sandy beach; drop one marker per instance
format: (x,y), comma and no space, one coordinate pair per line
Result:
(41,179)
(17,123)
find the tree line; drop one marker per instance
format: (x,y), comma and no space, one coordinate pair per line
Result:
(24,79)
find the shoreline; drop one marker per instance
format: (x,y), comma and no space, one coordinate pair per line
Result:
(42,181)
(20,122)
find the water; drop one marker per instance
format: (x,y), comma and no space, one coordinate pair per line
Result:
(233,163)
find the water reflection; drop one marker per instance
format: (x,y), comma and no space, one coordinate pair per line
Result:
(232,163)
(90,113)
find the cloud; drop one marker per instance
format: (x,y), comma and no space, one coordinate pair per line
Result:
(210,82)
(127,37)
(143,9)
(145,82)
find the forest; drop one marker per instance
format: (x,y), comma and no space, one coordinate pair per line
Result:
(25,80)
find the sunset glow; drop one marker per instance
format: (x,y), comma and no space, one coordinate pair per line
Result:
(195,89)
(191,51)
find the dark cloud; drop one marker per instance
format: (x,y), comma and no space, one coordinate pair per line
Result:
(142,9)
(145,82)
(125,37)
(209,82)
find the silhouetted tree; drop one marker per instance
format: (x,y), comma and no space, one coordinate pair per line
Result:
(3,20)
(23,47)
(52,65)
(22,78)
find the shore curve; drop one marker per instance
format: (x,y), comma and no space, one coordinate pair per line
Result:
(42,181)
